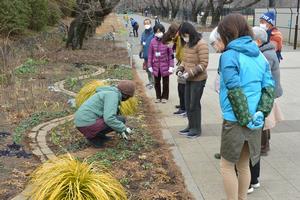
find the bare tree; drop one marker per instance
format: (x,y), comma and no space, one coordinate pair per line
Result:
(208,7)
(272,3)
(175,5)
(196,6)
(216,7)
(240,5)
(164,7)
(89,15)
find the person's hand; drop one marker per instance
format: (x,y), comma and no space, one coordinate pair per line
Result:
(150,69)
(128,130)
(257,121)
(125,134)
(171,70)
(253,126)
(258,118)
(185,75)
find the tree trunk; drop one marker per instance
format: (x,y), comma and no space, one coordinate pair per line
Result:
(208,7)
(217,13)
(272,3)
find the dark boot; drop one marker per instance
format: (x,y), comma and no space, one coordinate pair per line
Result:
(99,140)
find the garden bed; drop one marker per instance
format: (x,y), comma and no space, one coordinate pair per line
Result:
(143,164)
(27,97)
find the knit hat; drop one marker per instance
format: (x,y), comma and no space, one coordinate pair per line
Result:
(269,17)
(127,87)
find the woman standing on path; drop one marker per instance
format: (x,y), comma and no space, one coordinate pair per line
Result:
(268,49)
(147,36)
(173,39)
(246,97)
(193,70)
(160,63)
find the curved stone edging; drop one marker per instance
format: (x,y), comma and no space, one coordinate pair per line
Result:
(38,134)
(59,86)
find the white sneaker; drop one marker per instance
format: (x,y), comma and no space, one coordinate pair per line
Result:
(255,186)
(157,101)
(250,190)
(164,100)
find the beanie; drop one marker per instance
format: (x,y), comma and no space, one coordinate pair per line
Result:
(269,17)
(127,87)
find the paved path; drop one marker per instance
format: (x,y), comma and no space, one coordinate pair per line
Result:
(280,174)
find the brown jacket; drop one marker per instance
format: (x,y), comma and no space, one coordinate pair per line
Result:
(195,61)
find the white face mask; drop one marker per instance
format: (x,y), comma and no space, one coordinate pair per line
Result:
(263,26)
(159,35)
(186,39)
(147,26)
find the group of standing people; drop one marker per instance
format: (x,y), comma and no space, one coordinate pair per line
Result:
(249,82)
(159,50)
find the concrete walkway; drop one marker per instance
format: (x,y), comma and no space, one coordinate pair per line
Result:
(280,174)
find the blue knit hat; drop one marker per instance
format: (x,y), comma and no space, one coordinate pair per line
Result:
(269,17)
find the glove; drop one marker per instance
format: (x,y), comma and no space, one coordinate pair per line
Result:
(258,118)
(150,69)
(253,126)
(126,133)
(185,75)
(257,121)
(171,70)
(128,130)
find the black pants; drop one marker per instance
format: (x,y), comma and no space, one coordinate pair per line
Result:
(181,89)
(193,94)
(255,170)
(135,31)
(165,81)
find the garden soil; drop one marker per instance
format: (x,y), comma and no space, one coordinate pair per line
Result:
(23,95)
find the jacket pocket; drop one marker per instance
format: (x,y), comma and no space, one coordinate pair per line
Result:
(228,125)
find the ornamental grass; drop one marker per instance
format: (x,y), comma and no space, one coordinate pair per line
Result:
(66,178)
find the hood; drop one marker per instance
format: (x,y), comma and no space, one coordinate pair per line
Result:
(267,46)
(244,45)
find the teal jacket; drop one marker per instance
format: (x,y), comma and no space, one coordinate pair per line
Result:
(103,104)
(242,65)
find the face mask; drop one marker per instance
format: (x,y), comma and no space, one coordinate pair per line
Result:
(159,35)
(263,26)
(186,39)
(147,26)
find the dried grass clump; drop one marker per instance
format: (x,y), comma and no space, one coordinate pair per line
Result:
(66,178)
(88,90)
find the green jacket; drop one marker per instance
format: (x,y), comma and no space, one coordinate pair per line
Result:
(103,104)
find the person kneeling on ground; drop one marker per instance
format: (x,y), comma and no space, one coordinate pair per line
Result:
(98,115)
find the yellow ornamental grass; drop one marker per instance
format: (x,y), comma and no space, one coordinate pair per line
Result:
(129,107)
(66,178)
(88,90)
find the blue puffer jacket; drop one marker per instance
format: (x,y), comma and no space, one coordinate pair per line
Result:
(147,36)
(243,65)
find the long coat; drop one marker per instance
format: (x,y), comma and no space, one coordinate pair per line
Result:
(160,58)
